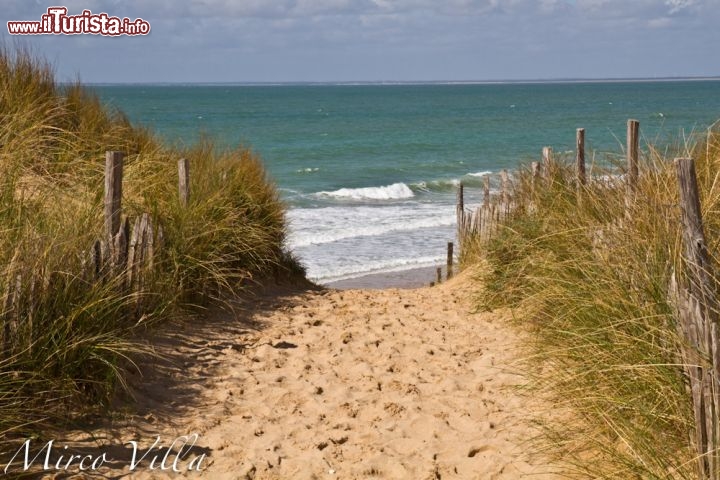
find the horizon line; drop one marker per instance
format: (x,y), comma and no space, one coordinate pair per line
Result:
(413,82)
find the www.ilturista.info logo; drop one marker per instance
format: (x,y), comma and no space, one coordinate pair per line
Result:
(57,22)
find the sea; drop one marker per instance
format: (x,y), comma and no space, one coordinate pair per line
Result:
(369,172)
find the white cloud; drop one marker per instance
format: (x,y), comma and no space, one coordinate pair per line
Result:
(678,5)
(660,22)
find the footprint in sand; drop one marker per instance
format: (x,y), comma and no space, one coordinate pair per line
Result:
(346,412)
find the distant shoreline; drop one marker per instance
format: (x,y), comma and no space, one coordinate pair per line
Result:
(411,83)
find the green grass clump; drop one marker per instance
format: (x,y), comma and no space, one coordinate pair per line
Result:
(588,271)
(67,338)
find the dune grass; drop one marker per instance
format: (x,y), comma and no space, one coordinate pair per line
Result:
(587,273)
(67,339)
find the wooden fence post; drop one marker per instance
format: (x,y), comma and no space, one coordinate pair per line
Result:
(133,255)
(505,186)
(535,174)
(460,212)
(461,197)
(150,245)
(449,260)
(547,160)
(697,308)
(633,139)
(113,193)
(580,156)
(438,281)
(486,191)
(97,259)
(696,253)
(184,181)
(119,249)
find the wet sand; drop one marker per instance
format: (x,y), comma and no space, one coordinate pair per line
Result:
(413,278)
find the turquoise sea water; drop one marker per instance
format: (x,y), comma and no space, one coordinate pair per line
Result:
(369,171)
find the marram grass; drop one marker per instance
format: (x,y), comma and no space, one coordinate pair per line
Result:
(71,338)
(587,273)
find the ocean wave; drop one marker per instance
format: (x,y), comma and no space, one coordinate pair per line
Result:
(307,170)
(396,191)
(446,185)
(343,224)
(480,174)
(400,191)
(436,185)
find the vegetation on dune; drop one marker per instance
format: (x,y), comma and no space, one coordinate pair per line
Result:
(590,272)
(66,336)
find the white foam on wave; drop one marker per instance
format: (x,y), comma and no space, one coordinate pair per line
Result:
(395,191)
(350,240)
(307,170)
(480,174)
(317,226)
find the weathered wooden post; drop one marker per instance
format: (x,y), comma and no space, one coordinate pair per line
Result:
(120,246)
(113,193)
(547,161)
(477,222)
(506,194)
(150,243)
(467,227)
(184,181)
(133,255)
(449,260)
(633,139)
(580,156)
(461,197)
(486,200)
(115,242)
(505,187)
(438,281)
(145,244)
(535,174)
(697,307)
(141,252)
(460,213)
(97,259)
(696,254)
(486,191)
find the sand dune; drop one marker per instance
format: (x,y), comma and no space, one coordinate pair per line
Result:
(330,384)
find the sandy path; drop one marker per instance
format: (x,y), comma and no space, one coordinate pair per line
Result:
(388,384)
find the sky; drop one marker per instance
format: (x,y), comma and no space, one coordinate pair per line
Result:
(382,40)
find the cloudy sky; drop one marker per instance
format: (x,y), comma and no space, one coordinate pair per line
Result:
(384,40)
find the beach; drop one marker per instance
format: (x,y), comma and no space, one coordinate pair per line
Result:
(411,278)
(325,383)
(359,240)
